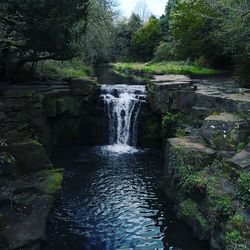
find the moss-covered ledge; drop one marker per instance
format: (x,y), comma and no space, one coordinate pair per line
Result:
(209,196)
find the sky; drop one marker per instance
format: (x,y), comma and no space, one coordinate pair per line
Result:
(155,6)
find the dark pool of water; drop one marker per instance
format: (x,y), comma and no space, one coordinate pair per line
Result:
(112,201)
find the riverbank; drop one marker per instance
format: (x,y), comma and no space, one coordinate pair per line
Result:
(178,68)
(207,163)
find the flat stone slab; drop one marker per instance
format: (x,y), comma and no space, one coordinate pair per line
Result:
(191,144)
(187,151)
(224,117)
(170,78)
(242,159)
(172,82)
(222,94)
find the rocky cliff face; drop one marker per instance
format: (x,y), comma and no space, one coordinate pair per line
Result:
(36,117)
(208,162)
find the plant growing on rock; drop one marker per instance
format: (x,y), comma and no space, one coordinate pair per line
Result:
(243,189)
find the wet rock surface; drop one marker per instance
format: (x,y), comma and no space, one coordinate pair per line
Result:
(35,117)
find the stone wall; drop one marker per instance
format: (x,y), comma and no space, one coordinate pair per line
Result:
(207,170)
(35,117)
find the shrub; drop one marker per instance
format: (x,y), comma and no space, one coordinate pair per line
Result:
(164,52)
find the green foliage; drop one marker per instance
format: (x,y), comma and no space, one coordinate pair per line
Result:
(124,31)
(38,30)
(220,201)
(190,211)
(145,41)
(191,30)
(62,70)
(170,118)
(241,146)
(233,237)
(166,68)
(243,189)
(233,29)
(165,19)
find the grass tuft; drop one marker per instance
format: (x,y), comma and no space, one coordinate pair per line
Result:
(182,68)
(56,70)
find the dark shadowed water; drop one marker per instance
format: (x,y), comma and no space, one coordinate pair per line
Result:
(112,201)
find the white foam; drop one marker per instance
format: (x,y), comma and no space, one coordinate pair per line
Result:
(119,149)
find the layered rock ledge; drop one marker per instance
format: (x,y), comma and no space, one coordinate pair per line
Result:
(207,165)
(35,117)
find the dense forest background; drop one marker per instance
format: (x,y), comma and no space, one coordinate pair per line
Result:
(208,33)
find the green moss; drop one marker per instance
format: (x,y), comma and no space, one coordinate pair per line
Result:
(52,180)
(216,113)
(243,189)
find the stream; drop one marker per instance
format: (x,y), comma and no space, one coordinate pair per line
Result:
(111,197)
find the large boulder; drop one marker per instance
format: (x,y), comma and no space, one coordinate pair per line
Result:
(30,156)
(225,131)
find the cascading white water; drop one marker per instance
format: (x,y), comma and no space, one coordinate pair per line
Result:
(123,105)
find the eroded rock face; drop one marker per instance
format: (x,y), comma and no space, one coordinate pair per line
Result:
(34,117)
(30,155)
(225,131)
(170,92)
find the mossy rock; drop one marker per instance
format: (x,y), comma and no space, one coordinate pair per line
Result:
(225,131)
(51,180)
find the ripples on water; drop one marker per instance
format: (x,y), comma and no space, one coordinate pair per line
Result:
(111,200)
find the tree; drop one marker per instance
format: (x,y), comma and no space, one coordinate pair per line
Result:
(165,19)
(125,30)
(141,9)
(38,30)
(192,24)
(233,28)
(96,43)
(146,40)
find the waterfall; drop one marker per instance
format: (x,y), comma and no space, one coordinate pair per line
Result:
(122,104)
